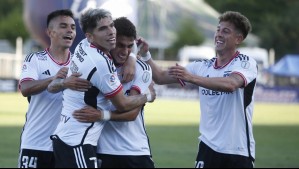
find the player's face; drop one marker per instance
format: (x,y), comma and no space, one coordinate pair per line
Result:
(62,31)
(104,35)
(122,50)
(226,37)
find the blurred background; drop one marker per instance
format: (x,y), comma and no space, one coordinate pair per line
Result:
(178,31)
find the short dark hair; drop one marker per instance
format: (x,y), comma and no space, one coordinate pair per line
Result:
(61,12)
(124,27)
(240,21)
(89,18)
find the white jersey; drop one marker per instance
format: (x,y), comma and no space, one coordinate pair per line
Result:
(44,108)
(226,117)
(128,138)
(98,68)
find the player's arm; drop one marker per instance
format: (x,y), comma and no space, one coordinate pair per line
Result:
(72,82)
(90,114)
(160,76)
(33,87)
(129,68)
(124,104)
(224,84)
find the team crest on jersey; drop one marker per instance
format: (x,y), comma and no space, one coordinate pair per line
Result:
(146,77)
(74,68)
(24,68)
(245,64)
(112,80)
(42,57)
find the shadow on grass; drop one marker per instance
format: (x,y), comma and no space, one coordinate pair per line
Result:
(176,146)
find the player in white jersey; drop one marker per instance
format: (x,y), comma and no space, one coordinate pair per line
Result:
(39,69)
(124,144)
(75,142)
(226,89)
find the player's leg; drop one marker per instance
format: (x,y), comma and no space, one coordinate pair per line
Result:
(120,161)
(36,159)
(207,158)
(108,161)
(238,161)
(137,162)
(81,156)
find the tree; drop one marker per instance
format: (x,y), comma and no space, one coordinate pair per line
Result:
(188,33)
(273,21)
(11,21)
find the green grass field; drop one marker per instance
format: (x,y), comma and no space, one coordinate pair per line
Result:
(172,126)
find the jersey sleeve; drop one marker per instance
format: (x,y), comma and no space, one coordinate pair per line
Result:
(143,77)
(246,68)
(195,67)
(107,80)
(29,68)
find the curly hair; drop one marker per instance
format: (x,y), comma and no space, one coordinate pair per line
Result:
(124,27)
(240,21)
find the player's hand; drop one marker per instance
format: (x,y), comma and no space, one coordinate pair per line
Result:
(62,73)
(88,114)
(143,49)
(75,83)
(152,92)
(128,71)
(179,72)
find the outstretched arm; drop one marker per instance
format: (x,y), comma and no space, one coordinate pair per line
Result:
(224,84)
(160,76)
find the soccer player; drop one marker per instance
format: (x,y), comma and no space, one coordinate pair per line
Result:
(124,144)
(40,69)
(226,90)
(75,142)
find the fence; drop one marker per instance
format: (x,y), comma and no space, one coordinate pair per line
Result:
(10,66)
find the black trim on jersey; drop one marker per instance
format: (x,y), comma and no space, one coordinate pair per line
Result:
(243,57)
(144,65)
(90,97)
(28,57)
(248,93)
(109,61)
(143,125)
(86,132)
(29,99)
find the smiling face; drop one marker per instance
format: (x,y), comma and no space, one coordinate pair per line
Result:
(62,31)
(104,35)
(122,50)
(226,37)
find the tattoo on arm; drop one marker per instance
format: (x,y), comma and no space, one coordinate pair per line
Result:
(56,86)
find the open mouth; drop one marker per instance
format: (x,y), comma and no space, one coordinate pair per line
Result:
(68,37)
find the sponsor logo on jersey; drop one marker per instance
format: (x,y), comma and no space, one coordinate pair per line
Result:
(208,92)
(74,68)
(146,77)
(47,72)
(64,118)
(42,57)
(80,58)
(227,73)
